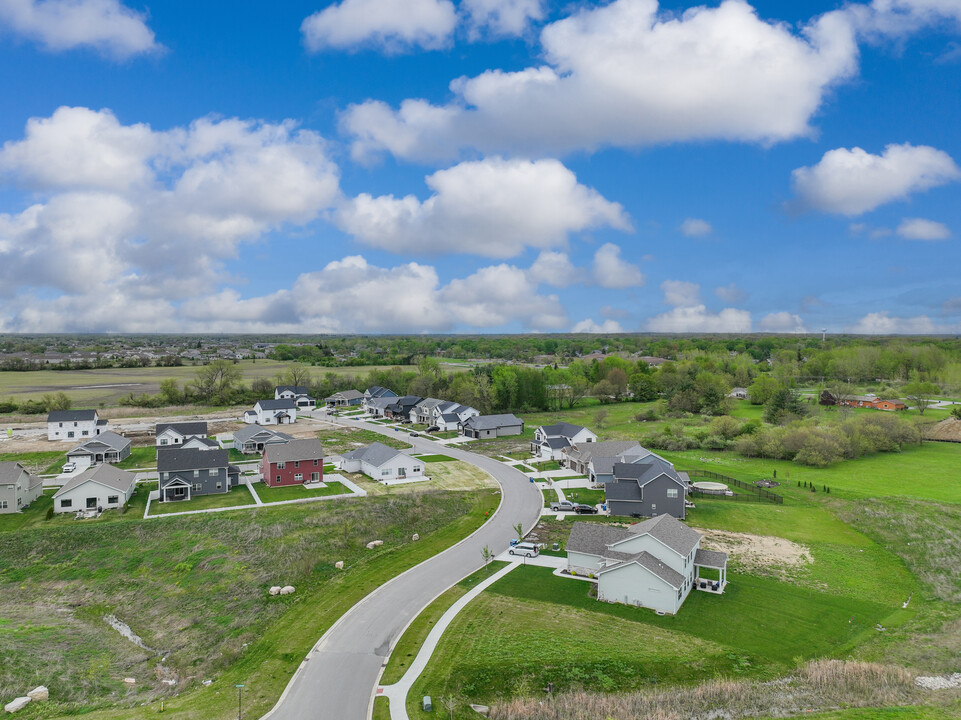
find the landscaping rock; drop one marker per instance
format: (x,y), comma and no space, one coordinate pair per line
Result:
(374,543)
(130,681)
(287,590)
(415,537)
(39,694)
(339,564)
(482,709)
(19,704)
(275,590)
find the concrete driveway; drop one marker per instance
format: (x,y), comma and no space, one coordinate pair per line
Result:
(337,679)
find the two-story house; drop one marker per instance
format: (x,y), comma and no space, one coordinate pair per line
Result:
(449,415)
(402,407)
(74,424)
(298,393)
(550,441)
(653,564)
(173,434)
(18,488)
(647,487)
(272,412)
(187,472)
(293,463)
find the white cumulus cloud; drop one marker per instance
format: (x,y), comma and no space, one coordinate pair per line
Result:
(697,319)
(627,74)
(921,229)
(501,17)
(852,182)
(612,271)
(881,323)
(781,322)
(589,326)
(731,294)
(693,227)
(491,207)
(391,25)
(553,268)
(103,25)
(679,293)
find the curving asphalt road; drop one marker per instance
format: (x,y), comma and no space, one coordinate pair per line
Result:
(337,679)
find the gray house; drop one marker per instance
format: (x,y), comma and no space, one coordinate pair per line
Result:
(96,489)
(185,473)
(344,398)
(646,488)
(491,426)
(596,459)
(255,438)
(107,447)
(18,488)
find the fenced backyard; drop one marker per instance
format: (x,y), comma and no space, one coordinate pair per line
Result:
(745,492)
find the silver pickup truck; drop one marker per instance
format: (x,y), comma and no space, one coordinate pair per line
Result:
(562,506)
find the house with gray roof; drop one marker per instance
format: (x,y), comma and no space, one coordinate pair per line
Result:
(653,564)
(381,462)
(596,459)
(300,394)
(344,398)
(107,447)
(18,488)
(422,411)
(377,407)
(402,407)
(255,439)
(74,424)
(481,427)
(647,487)
(293,463)
(170,434)
(187,472)
(448,415)
(96,489)
(550,441)
(272,412)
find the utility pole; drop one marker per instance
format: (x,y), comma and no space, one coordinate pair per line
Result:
(240,696)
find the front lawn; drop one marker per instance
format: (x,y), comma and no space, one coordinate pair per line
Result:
(140,457)
(298,492)
(585,496)
(235,456)
(435,458)
(237,496)
(341,440)
(545,465)
(38,463)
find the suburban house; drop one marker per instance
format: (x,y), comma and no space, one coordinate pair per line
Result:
(377,407)
(380,462)
(254,439)
(98,488)
(596,459)
(293,463)
(169,434)
(422,412)
(481,427)
(345,398)
(272,412)
(652,362)
(107,447)
(298,393)
(376,392)
(550,440)
(185,472)
(402,407)
(71,424)
(449,415)
(18,488)
(652,564)
(738,393)
(200,443)
(863,401)
(646,488)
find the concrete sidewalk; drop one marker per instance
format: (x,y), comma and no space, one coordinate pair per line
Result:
(397,693)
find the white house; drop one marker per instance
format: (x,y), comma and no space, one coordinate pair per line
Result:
(550,441)
(298,393)
(18,488)
(380,462)
(449,415)
(421,412)
(175,434)
(272,412)
(738,393)
(377,407)
(653,564)
(107,447)
(98,488)
(74,424)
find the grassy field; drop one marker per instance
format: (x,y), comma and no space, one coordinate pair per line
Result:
(454,475)
(195,588)
(341,440)
(435,458)
(43,463)
(140,457)
(298,492)
(237,496)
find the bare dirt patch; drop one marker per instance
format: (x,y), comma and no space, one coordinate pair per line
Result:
(753,553)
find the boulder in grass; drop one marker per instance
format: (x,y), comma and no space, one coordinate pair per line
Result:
(19,704)
(287,590)
(39,694)
(415,537)
(339,564)
(275,590)
(130,681)
(374,543)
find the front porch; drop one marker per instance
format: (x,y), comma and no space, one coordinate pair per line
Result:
(175,491)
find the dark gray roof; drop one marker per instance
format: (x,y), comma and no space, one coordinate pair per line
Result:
(184,428)
(248,431)
(710,558)
(105,475)
(347,395)
(607,449)
(282,404)
(492,422)
(180,459)
(376,454)
(593,538)
(71,415)
(556,443)
(670,531)
(295,450)
(625,490)
(376,391)
(562,429)
(107,439)
(450,417)
(668,574)
(296,389)
(206,442)
(10,472)
(645,470)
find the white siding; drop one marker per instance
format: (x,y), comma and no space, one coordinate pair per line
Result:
(635,585)
(90,489)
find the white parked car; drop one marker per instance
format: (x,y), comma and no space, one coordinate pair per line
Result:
(69,467)
(525,548)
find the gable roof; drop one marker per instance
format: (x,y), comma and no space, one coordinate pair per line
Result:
(670,531)
(710,558)
(295,389)
(562,429)
(646,469)
(71,415)
(181,459)
(184,428)
(650,563)
(593,538)
(492,422)
(247,432)
(10,472)
(205,441)
(295,450)
(108,475)
(376,454)
(108,439)
(376,391)
(347,395)
(282,404)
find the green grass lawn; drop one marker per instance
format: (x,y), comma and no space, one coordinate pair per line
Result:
(435,458)
(585,496)
(33,515)
(140,457)
(235,456)
(42,463)
(298,492)
(341,440)
(236,496)
(545,465)
(549,497)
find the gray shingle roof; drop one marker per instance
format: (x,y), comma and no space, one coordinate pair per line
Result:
(184,428)
(608,449)
(347,395)
(710,558)
(295,450)
(71,415)
(593,538)
(296,389)
(556,443)
(10,472)
(670,531)
(376,454)
(108,475)
(492,422)
(180,459)
(248,431)
(669,575)
(107,439)
(282,404)
(562,429)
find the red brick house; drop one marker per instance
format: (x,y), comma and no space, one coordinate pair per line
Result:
(293,463)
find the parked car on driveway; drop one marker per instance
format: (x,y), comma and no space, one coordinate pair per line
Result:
(433,428)
(525,548)
(562,506)
(582,509)
(69,467)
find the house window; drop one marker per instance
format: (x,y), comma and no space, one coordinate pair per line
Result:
(385,471)
(196,473)
(220,486)
(3,505)
(92,503)
(212,472)
(297,463)
(315,477)
(180,492)
(197,487)
(416,469)
(85,433)
(281,465)
(66,503)
(164,441)
(70,433)
(60,425)
(672,492)
(113,499)
(278,478)
(299,477)
(316,463)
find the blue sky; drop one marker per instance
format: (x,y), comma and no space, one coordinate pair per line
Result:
(481,165)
